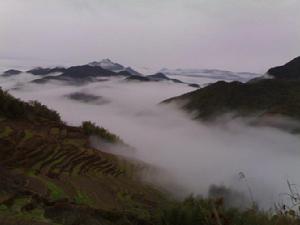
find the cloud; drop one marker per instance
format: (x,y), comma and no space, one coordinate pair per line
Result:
(190,155)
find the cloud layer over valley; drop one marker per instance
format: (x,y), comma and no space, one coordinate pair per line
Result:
(194,155)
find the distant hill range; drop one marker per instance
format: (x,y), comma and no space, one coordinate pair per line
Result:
(9,73)
(78,75)
(210,73)
(278,93)
(94,71)
(158,77)
(46,71)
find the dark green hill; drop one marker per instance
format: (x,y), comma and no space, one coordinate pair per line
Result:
(269,96)
(290,70)
(13,108)
(262,97)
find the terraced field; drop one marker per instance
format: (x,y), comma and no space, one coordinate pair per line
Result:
(52,151)
(49,167)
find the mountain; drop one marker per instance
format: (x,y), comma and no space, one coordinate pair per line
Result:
(290,70)
(162,77)
(138,78)
(157,78)
(46,71)
(211,73)
(132,71)
(126,73)
(79,75)
(154,77)
(11,73)
(107,64)
(265,97)
(86,71)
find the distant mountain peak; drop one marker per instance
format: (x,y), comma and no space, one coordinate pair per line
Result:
(159,76)
(46,71)
(108,65)
(112,66)
(11,73)
(107,60)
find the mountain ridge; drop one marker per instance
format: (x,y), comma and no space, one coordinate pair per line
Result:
(259,98)
(290,70)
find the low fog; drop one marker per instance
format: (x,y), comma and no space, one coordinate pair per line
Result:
(192,155)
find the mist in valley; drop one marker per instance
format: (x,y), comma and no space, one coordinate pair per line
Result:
(189,155)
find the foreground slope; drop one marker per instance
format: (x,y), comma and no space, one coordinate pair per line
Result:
(50,174)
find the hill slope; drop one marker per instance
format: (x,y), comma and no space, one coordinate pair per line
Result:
(290,70)
(261,98)
(258,98)
(49,174)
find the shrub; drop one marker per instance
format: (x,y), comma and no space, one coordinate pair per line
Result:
(196,210)
(90,128)
(13,108)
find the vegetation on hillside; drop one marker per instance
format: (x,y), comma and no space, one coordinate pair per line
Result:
(13,108)
(196,210)
(49,174)
(265,97)
(258,97)
(90,128)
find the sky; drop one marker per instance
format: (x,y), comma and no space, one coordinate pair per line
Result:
(248,35)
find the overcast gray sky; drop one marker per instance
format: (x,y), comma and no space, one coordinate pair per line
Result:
(240,35)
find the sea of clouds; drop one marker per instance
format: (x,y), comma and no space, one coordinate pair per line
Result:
(191,155)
